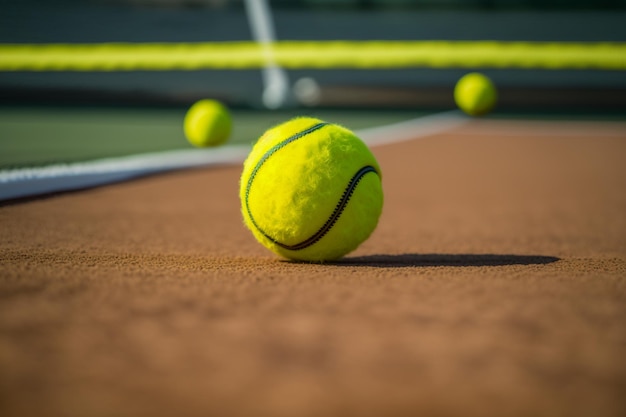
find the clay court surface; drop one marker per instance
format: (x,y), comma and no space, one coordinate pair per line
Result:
(494,285)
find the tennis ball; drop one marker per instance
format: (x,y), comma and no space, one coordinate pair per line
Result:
(475,94)
(311,190)
(207,123)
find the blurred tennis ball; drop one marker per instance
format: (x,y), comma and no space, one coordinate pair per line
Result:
(311,190)
(207,123)
(475,94)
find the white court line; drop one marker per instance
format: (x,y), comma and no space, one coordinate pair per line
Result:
(29,182)
(546,128)
(414,128)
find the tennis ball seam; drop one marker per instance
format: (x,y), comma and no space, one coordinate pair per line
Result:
(339,208)
(341,205)
(264,158)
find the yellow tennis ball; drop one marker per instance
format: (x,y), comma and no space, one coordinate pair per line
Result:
(207,123)
(311,190)
(475,94)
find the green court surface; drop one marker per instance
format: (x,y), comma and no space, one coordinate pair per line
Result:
(36,136)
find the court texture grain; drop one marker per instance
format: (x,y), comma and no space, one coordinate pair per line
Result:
(495,285)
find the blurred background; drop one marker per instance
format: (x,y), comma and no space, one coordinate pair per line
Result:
(135,21)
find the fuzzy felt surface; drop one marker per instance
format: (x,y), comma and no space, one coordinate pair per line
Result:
(300,183)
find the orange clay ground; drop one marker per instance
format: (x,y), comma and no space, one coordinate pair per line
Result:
(495,285)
